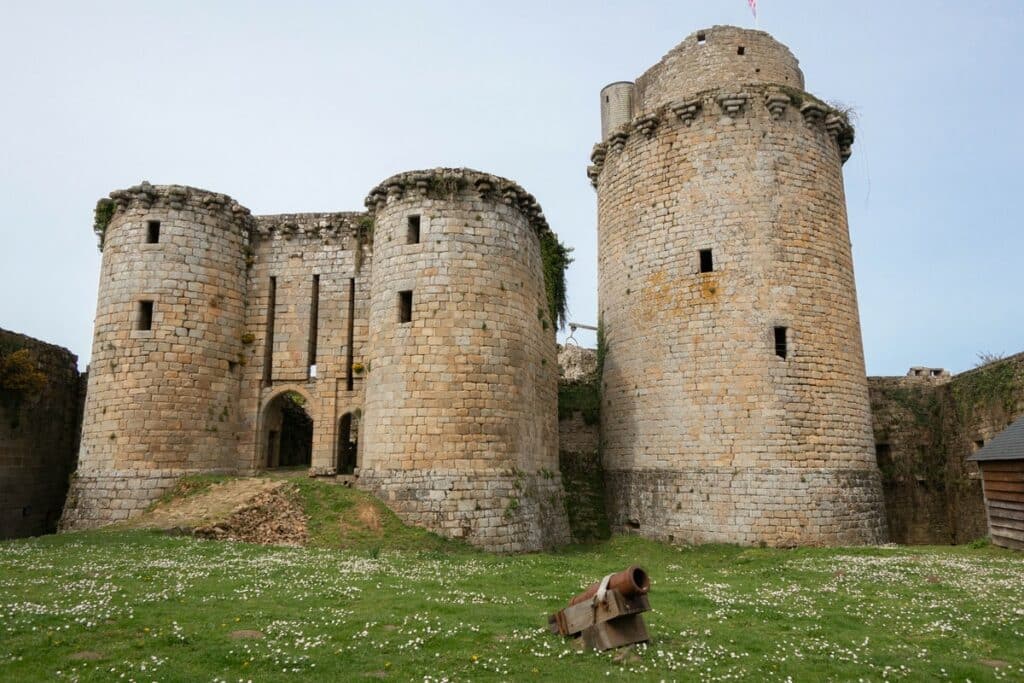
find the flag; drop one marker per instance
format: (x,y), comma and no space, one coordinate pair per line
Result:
(753,7)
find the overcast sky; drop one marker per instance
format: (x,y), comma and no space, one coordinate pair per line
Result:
(301,106)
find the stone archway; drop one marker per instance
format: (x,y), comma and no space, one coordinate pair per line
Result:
(286,438)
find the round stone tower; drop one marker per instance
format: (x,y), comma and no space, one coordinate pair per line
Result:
(460,425)
(735,402)
(163,380)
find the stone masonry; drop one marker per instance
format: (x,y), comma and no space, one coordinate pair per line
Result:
(208,315)
(732,402)
(735,399)
(40,415)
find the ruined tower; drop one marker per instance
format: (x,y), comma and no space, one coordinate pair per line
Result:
(460,418)
(162,391)
(735,404)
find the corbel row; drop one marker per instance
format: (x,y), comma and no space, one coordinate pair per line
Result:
(449,182)
(731,104)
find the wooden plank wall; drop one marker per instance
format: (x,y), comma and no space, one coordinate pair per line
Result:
(1004,496)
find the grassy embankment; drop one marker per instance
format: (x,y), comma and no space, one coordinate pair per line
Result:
(375,599)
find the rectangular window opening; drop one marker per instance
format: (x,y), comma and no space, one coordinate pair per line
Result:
(145,317)
(741,50)
(405,306)
(314,321)
(268,349)
(707,264)
(701,38)
(883,455)
(152,232)
(349,379)
(412,234)
(781,348)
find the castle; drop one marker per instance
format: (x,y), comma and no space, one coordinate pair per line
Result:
(419,341)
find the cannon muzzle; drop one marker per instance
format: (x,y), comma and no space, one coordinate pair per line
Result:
(628,582)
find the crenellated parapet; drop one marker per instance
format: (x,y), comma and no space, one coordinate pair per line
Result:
(450,183)
(147,197)
(334,227)
(780,106)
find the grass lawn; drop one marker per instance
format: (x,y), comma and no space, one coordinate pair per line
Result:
(401,604)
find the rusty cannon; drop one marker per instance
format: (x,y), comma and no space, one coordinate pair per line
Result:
(609,613)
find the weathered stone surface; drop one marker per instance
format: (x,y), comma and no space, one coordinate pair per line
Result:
(694,394)
(38,436)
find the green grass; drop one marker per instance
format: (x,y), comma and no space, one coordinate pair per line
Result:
(382,608)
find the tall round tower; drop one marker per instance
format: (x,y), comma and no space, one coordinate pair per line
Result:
(163,380)
(460,425)
(735,402)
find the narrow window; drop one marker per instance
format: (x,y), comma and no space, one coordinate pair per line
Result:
(268,349)
(314,320)
(351,330)
(412,233)
(405,306)
(701,38)
(152,232)
(707,264)
(145,317)
(781,349)
(741,50)
(979,444)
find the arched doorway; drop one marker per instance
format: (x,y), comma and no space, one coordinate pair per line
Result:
(348,440)
(287,432)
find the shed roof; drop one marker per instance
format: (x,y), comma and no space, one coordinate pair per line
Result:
(1006,445)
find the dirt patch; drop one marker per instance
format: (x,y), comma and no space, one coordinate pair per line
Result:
(246,634)
(994,663)
(271,517)
(369,515)
(254,510)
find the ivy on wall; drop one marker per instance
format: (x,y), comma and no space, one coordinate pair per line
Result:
(19,378)
(102,216)
(556,260)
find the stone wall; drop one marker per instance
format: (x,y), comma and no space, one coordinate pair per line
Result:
(924,428)
(711,432)
(41,396)
(461,392)
(164,375)
(579,440)
(334,251)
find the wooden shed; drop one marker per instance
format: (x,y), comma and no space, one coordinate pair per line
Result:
(1001,462)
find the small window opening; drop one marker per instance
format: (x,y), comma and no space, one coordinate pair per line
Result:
(707,263)
(883,455)
(979,444)
(405,306)
(412,234)
(781,349)
(145,318)
(152,232)
(701,38)
(741,50)
(607,98)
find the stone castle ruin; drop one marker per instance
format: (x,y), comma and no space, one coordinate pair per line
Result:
(411,348)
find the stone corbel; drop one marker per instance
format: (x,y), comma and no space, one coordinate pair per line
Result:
(510,195)
(733,103)
(646,124)
(483,187)
(685,110)
(593,172)
(776,102)
(395,191)
(617,140)
(598,154)
(813,113)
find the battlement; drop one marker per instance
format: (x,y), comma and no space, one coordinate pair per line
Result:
(448,183)
(338,225)
(724,106)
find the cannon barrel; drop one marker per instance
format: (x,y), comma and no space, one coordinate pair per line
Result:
(628,582)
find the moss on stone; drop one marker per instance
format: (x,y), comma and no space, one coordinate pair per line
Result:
(556,260)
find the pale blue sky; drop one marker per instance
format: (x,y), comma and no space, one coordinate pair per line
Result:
(304,106)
